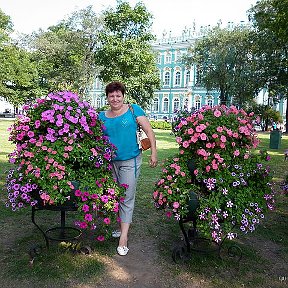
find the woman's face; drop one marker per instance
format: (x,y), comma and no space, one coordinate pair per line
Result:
(115,99)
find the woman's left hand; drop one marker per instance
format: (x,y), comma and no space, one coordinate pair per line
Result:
(153,161)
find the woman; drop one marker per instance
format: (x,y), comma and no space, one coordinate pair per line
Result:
(120,126)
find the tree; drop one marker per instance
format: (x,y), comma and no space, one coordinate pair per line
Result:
(18,75)
(6,27)
(125,53)
(265,113)
(225,62)
(65,52)
(270,18)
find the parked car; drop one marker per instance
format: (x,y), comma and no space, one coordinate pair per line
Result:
(7,114)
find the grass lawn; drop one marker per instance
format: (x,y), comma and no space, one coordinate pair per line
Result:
(261,252)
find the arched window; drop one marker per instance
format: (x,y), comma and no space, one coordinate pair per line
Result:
(197,102)
(176,105)
(177,78)
(165,105)
(155,105)
(210,102)
(167,78)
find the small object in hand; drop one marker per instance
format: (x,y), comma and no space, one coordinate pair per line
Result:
(145,144)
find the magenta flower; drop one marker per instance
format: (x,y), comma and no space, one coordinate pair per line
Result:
(88,217)
(100,238)
(107,221)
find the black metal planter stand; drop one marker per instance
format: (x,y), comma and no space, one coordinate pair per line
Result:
(193,242)
(62,233)
(59,233)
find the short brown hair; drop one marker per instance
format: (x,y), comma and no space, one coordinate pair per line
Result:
(115,86)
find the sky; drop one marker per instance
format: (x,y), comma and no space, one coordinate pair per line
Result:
(169,15)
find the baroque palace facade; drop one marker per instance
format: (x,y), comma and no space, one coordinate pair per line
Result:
(180,87)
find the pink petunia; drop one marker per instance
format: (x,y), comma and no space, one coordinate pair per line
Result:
(223,138)
(217,113)
(236,153)
(155,194)
(215,166)
(78,193)
(65,155)
(107,221)
(83,225)
(222,145)
(203,136)
(168,214)
(219,129)
(185,144)
(100,238)
(176,205)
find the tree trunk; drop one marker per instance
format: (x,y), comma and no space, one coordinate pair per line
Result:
(286,125)
(223,98)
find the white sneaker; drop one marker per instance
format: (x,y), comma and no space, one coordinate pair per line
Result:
(116,234)
(122,250)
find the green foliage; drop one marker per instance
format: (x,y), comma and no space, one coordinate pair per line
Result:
(125,54)
(269,18)
(19,76)
(65,53)
(161,125)
(224,63)
(5,27)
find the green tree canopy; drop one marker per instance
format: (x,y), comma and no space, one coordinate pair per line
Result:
(18,75)
(65,52)
(6,27)
(225,62)
(125,53)
(270,18)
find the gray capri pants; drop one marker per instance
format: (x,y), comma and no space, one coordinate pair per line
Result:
(127,172)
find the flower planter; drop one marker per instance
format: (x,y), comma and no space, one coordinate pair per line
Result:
(218,162)
(58,139)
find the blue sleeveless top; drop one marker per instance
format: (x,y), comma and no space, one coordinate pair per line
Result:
(121,131)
